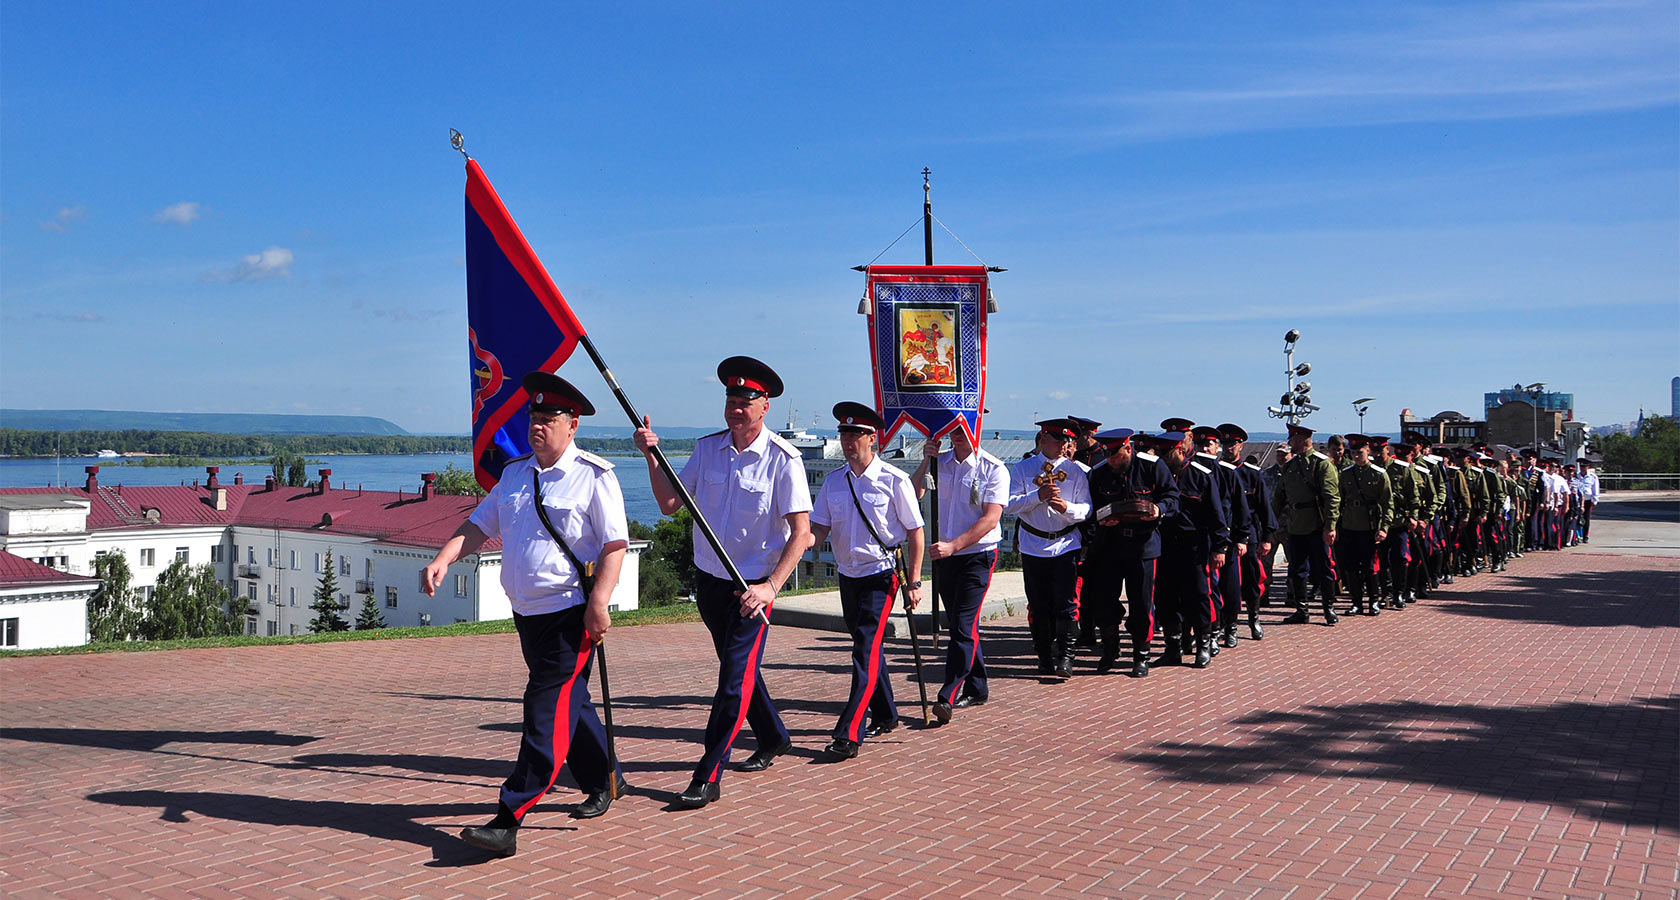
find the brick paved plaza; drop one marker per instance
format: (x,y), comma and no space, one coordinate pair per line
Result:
(1514,737)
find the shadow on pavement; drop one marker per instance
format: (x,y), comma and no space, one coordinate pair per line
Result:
(426,764)
(1643,598)
(1638,510)
(384,821)
(1613,762)
(145,740)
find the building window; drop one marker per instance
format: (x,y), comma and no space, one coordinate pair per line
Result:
(8,632)
(148,556)
(273,628)
(317,563)
(294,629)
(251,592)
(271,552)
(829,570)
(250,554)
(294,560)
(251,627)
(216,552)
(181,554)
(344,565)
(273,592)
(460,585)
(390,598)
(291,594)
(146,593)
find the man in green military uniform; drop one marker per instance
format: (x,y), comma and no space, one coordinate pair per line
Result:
(1493,533)
(1470,532)
(1407,528)
(1366,497)
(1308,492)
(1432,499)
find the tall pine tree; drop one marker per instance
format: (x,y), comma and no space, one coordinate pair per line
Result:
(326,605)
(370,616)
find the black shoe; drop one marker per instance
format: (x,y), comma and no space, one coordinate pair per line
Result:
(500,841)
(1255,631)
(699,794)
(764,758)
(1171,655)
(1105,663)
(598,802)
(877,729)
(1212,642)
(968,700)
(1447,580)
(1064,669)
(942,712)
(840,749)
(1231,636)
(1045,667)
(1204,654)
(1330,617)
(1298,617)
(1140,665)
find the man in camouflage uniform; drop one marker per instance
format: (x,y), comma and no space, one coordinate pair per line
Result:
(1308,492)
(1366,496)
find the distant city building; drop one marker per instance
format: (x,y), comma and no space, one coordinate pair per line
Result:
(1446,427)
(268,545)
(1548,401)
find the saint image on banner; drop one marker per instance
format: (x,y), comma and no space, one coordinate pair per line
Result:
(926,347)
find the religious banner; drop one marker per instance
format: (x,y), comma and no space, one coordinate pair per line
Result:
(517,322)
(927,343)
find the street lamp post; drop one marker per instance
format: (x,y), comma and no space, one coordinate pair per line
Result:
(1296,402)
(1533,392)
(1360,407)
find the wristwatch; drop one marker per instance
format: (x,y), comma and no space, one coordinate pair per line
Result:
(916,585)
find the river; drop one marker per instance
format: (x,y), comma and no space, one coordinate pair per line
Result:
(372,472)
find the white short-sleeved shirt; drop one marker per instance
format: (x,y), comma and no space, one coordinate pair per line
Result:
(965,488)
(885,495)
(745,496)
(584,502)
(1025,505)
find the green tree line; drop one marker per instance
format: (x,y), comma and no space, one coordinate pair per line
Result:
(1655,449)
(204,445)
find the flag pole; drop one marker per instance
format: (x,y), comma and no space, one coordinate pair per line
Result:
(933,467)
(670,474)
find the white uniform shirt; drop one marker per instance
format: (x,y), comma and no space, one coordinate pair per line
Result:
(965,487)
(1587,486)
(745,496)
(1025,505)
(885,494)
(583,500)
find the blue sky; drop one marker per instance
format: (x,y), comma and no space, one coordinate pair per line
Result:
(227,207)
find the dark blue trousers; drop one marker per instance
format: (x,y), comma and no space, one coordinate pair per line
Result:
(1230,587)
(558,656)
(741,696)
(963,582)
(865,603)
(1186,588)
(1052,590)
(1105,579)
(1310,559)
(1359,562)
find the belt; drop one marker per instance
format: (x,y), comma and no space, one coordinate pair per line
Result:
(1047,535)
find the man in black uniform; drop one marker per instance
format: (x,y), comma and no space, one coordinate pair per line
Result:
(1255,566)
(1228,577)
(1131,492)
(1193,545)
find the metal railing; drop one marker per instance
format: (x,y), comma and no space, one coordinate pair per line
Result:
(1639,481)
(364,586)
(249,570)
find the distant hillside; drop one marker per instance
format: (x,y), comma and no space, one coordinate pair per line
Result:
(204,423)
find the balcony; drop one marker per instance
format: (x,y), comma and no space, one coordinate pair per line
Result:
(364,586)
(250,570)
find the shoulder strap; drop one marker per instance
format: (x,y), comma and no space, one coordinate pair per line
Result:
(891,551)
(584,571)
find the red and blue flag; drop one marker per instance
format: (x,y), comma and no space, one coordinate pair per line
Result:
(517,322)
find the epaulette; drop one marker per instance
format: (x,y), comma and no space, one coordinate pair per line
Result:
(1199,467)
(712,435)
(596,461)
(1401,462)
(1347,467)
(1251,466)
(1228,464)
(520,457)
(1376,466)
(1319,455)
(1147,457)
(782,443)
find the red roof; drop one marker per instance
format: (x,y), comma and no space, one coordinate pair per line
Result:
(16,571)
(385,516)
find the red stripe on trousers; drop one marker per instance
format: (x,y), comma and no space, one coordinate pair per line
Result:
(562,727)
(748,681)
(874,662)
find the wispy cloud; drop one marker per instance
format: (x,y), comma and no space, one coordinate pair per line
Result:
(62,220)
(77,317)
(273,262)
(182,214)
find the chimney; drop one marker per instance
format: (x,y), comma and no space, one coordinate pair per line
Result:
(426,480)
(92,478)
(239,478)
(326,480)
(218,498)
(213,481)
(268,482)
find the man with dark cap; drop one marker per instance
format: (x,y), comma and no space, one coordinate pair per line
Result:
(1474,515)
(1308,491)
(1194,542)
(750,486)
(973,488)
(1429,560)
(1366,497)
(1227,587)
(1405,526)
(1131,492)
(1587,482)
(560,515)
(1088,452)
(868,512)
(1269,476)
(1255,565)
(1050,497)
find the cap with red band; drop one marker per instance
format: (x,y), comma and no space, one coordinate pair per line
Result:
(743,376)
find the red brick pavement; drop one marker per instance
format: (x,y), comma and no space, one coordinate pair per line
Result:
(1514,737)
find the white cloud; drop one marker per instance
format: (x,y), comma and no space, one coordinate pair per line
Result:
(1058,395)
(273,262)
(182,214)
(60,222)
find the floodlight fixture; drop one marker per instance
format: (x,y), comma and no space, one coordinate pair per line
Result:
(1292,336)
(1303,369)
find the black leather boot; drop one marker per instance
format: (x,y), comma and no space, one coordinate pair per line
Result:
(1254,629)
(1172,653)
(1204,651)
(1328,602)
(1110,653)
(1140,660)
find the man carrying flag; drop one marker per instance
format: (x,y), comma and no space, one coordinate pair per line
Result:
(553,509)
(751,483)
